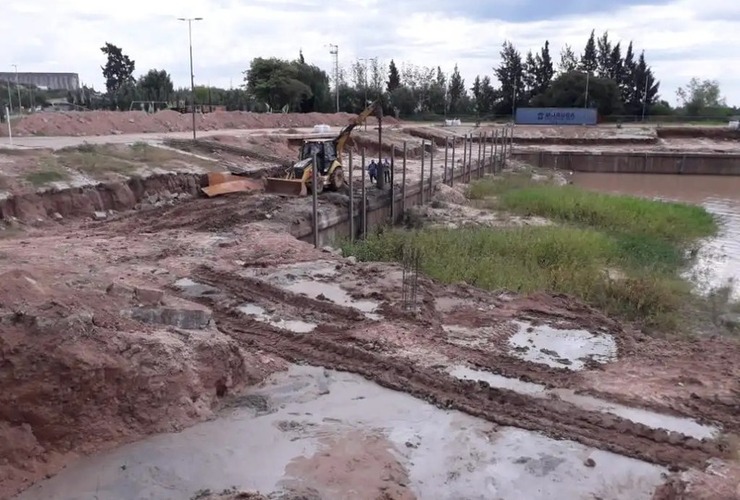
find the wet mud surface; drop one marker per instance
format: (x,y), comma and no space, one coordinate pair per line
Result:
(264,298)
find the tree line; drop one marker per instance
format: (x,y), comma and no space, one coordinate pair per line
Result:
(606,74)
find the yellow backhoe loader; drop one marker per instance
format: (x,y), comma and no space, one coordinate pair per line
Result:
(298,180)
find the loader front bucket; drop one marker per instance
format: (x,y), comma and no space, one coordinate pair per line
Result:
(239,185)
(293,187)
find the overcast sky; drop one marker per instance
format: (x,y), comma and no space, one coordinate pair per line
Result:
(681,38)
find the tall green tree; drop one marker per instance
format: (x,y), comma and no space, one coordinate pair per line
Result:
(488,96)
(477,94)
(627,81)
(568,60)
(276,83)
(589,60)
(456,92)
(568,90)
(394,78)
(529,75)
(616,64)
(156,85)
(510,74)
(119,75)
(645,88)
(545,70)
(702,97)
(604,56)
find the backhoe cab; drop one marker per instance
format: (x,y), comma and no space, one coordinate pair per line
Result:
(299,181)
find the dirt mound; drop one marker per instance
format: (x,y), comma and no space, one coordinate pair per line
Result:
(447,194)
(84,377)
(78,123)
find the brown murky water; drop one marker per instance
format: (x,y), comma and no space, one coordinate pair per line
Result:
(718,261)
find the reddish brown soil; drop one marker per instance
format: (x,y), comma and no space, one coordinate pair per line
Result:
(79,376)
(77,123)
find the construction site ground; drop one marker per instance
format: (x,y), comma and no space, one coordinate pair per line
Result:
(159,344)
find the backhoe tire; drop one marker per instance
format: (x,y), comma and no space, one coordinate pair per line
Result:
(319,186)
(337,179)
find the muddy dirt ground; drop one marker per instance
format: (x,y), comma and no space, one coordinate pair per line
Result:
(150,321)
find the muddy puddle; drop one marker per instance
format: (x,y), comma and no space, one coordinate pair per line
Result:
(317,281)
(686,426)
(718,259)
(293,325)
(558,348)
(335,435)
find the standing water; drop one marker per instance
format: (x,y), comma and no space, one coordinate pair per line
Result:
(718,259)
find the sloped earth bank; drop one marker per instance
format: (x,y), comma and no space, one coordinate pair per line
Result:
(156,320)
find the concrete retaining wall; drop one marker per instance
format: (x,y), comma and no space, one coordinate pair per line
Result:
(337,225)
(634,163)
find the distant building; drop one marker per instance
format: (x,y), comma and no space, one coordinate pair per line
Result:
(47,81)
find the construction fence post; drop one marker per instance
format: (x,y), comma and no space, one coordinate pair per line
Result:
(431,169)
(447,147)
(422,172)
(494,150)
(363,209)
(351,201)
(315,200)
(393,185)
(403,182)
(480,146)
(452,165)
(465,156)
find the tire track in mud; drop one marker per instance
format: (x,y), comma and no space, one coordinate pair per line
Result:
(337,350)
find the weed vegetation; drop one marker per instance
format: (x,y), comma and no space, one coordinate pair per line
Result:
(621,254)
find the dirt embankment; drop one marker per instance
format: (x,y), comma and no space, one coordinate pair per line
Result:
(78,375)
(78,123)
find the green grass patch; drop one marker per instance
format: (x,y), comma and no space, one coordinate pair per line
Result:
(94,160)
(670,221)
(41,177)
(529,259)
(618,253)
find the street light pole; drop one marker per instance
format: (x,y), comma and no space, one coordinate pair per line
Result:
(192,76)
(18,88)
(10,99)
(588,76)
(334,50)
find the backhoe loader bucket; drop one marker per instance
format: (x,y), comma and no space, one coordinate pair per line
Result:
(225,182)
(293,187)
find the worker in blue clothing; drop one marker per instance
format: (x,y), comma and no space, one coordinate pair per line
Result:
(372,170)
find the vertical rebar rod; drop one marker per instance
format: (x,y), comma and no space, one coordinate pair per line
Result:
(351,201)
(480,151)
(447,147)
(421,183)
(393,185)
(452,164)
(465,156)
(363,207)
(315,200)
(431,169)
(403,182)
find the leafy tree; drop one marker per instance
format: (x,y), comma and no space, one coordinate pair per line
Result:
(316,79)
(589,60)
(276,82)
(616,64)
(118,73)
(488,96)
(568,60)
(477,94)
(438,93)
(627,82)
(510,74)
(698,96)
(156,85)
(569,91)
(645,88)
(545,70)
(394,78)
(604,56)
(529,75)
(456,92)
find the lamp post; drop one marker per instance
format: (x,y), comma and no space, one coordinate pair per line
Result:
(17,87)
(334,50)
(588,77)
(192,76)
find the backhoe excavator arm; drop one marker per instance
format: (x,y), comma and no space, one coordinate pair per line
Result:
(341,139)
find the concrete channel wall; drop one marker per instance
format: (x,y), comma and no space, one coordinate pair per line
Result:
(381,210)
(634,162)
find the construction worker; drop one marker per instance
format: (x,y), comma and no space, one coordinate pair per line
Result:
(372,170)
(387,171)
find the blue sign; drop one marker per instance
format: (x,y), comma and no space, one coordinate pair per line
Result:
(556,116)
